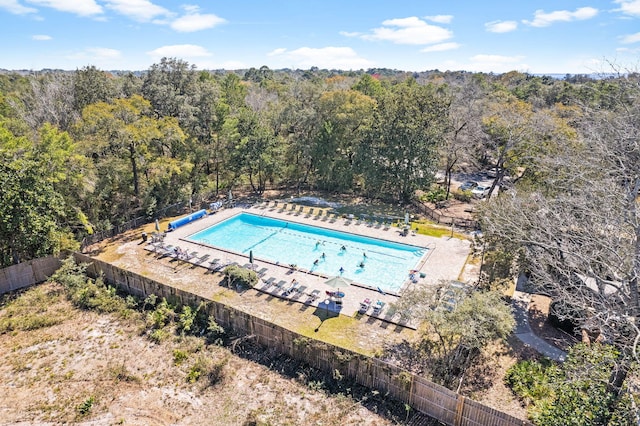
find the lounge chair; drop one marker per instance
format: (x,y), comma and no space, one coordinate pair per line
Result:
(213,263)
(261,272)
(283,208)
(221,265)
(333,218)
(364,306)
(167,250)
(298,292)
(280,285)
(188,256)
(313,296)
(377,307)
(268,283)
(202,258)
(309,213)
(292,287)
(300,210)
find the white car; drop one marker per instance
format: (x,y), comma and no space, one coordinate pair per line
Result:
(493,172)
(481,191)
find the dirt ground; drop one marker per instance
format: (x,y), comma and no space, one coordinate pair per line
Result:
(97,369)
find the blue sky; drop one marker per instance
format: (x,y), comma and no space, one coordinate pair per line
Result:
(542,36)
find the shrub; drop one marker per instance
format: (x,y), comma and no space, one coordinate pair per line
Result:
(179,356)
(85,407)
(162,315)
(207,367)
(530,380)
(237,276)
(464,196)
(435,195)
(86,293)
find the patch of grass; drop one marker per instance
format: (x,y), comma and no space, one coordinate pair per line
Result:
(207,367)
(120,373)
(36,308)
(437,231)
(158,335)
(179,356)
(85,407)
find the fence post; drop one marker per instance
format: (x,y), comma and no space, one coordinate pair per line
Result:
(459,409)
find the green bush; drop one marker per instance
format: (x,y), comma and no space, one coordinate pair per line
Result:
(237,276)
(179,356)
(212,370)
(162,315)
(530,380)
(435,195)
(85,407)
(464,196)
(86,293)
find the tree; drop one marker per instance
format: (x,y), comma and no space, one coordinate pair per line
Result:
(455,324)
(581,391)
(465,131)
(128,147)
(459,335)
(170,86)
(346,117)
(49,100)
(398,154)
(32,211)
(90,85)
(577,231)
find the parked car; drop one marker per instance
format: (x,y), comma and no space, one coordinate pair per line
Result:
(493,172)
(468,185)
(481,191)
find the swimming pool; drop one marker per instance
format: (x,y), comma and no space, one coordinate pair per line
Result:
(369,261)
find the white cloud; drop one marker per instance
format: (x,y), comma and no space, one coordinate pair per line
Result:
(40,37)
(496,63)
(104,52)
(12,6)
(350,34)
(138,10)
(276,52)
(440,19)
(631,38)
(410,30)
(501,26)
(102,57)
(194,21)
(629,7)
(441,47)
(180,51)
(326,57)
(542,19)
(79,7)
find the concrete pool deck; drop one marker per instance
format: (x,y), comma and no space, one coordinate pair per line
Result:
(444,260)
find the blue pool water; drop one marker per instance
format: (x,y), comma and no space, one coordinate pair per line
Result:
(386,264)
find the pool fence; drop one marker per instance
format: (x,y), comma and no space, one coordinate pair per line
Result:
(421,394)
(27,273)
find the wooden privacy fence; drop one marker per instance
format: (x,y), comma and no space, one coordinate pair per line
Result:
(427,397)
(28,273)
